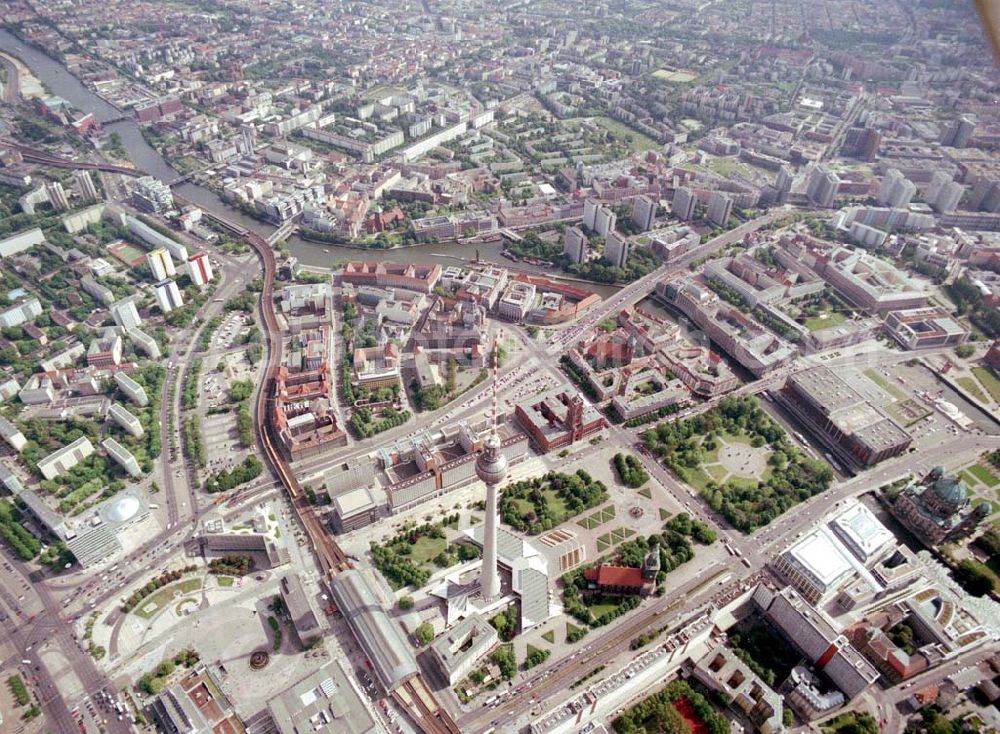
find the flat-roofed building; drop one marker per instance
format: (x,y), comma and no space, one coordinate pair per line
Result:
(854,429)
(223,543)
(132,389)
(815,565)
(458,650)
(299,609)
(125,419)
(721,670)
(123,457)
(144,342)
(355,509)
(62,460)
(12,435)
(862,533)
(922,328)
(195,705)
(324,702)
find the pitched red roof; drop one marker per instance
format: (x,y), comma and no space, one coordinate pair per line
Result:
(615,576)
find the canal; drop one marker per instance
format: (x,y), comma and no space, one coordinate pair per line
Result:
(145,157)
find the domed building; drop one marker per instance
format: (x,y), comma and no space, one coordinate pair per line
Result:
(937,509)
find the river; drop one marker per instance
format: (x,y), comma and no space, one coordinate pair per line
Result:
(65,85)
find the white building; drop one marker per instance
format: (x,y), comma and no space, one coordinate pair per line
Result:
(168,296)
(720,207)
(132,389)
(161,264)
(122,456)
(12,435)
(21,313)
(200,269)
(575,244)
(125,314)
(62,460)
(644,212)
(125,419)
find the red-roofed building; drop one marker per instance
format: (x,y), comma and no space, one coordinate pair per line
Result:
(624,580)
(992,357)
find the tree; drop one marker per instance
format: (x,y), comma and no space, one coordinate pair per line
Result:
(405,602)
(424,633)
(965,350)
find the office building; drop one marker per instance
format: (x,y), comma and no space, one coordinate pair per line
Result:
(644,212)
(57,196)
(575,244)
(62,460)
(720,207)
(855,430)
(355,509)
(125,314)
(85,186)
(922,328)
(168,296)
(459,650)
(300,611)
(324,702)
(948,197)
(616,249)
(822,188)
(200,269)
(684,203)
(195,705)
(161,264)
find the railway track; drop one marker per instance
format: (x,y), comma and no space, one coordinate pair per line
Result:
(415,698)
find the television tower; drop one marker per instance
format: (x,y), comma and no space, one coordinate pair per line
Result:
(491,467)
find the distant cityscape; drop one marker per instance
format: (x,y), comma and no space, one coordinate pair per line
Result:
(465,368)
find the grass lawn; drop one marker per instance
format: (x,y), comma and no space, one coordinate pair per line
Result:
(159,599)
(984,475)
(226,580)
(602,545)
(698,478)
(989,380)
(599,610)
(425,549)
(971,386)
(555,504)
(825,321)
(665,515)
(645,492)
(907,412)
(549,636)
(640,141)
(572,628)
(876,377)
(966,477)
(718,471)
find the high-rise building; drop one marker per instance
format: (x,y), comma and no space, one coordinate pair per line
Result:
(644,212)
(590,207)
(491,467)
(957,134)
(896,190)
(125,314)
(200,269)
(783,183)
(720,207)
(85,184)
(605,221)
(575,244)
(168,295)
(948,198)
(823,185)
(152,195)
(57,196)
(684,203)
(937,182)
(616,249)
(161,264)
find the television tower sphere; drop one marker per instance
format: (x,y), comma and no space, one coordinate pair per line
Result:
(491,466)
